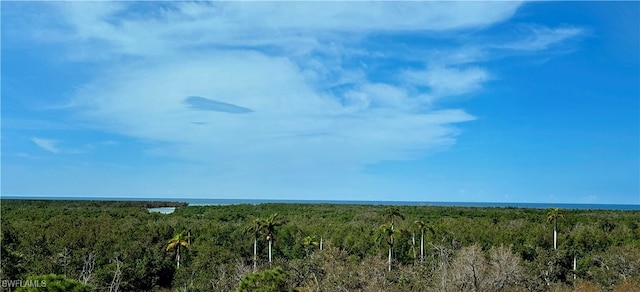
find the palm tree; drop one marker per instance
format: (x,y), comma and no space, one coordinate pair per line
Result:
(422,226)
(269,227)
(309,243)
(386,235)
(392,213)
(179,240)
(255,229)
(553,215)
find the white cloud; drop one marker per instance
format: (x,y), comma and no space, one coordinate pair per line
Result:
(292,125)
(46,144)
(448,81)
(379,95)
(156,29)
(541,38)
(283,61)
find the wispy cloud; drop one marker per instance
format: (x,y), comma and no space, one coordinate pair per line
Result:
(108,29)
(540,38)
(46,144)
(448,81)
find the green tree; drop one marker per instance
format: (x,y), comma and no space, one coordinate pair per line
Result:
(11,265)
(309,243)
(386,234)
(391,213)
(175,243)
(269,228)
(271,280)
(255,228)
(422,226)
(553,214)
(52,283)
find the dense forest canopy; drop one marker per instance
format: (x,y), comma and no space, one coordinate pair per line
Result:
(120,246)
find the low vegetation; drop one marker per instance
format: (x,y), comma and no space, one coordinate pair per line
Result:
(120,246)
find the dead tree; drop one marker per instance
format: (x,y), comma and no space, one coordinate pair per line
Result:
(117,275)
(87,267)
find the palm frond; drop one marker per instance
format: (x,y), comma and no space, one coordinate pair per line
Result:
(171,245)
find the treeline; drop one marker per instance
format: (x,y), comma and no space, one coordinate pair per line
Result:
(86,204)
(120,246)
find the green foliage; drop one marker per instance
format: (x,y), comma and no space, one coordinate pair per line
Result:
(52,283)
(271,280)
(180,240)
(309,243)
(44,237)
(392,213)
(269,225)
(11,266)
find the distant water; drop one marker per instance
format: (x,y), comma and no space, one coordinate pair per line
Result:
(221,202)
(162,210)
(207,202)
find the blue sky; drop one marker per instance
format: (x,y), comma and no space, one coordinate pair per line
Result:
(410,101)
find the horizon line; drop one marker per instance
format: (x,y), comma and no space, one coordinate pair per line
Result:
(283,200)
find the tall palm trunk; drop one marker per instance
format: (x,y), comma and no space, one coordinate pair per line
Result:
(178,257)
(389,258)
(413,245)
(575,267)
(175,243)
(555,234)
(255,253)
(552,217)
(422,245)
(270,251)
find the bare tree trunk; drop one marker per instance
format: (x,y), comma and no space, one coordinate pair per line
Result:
(87,268)
(443,263)
(117,276)
(178,257)
(270,252)
(555,237)
(320,242)
(422,246)
(476,286)
(413,245)
(575,265)
(255,253)
(389,258)
(64,259)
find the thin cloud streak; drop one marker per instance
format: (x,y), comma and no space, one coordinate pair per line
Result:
(207,104)
(541,38)
(46,144)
